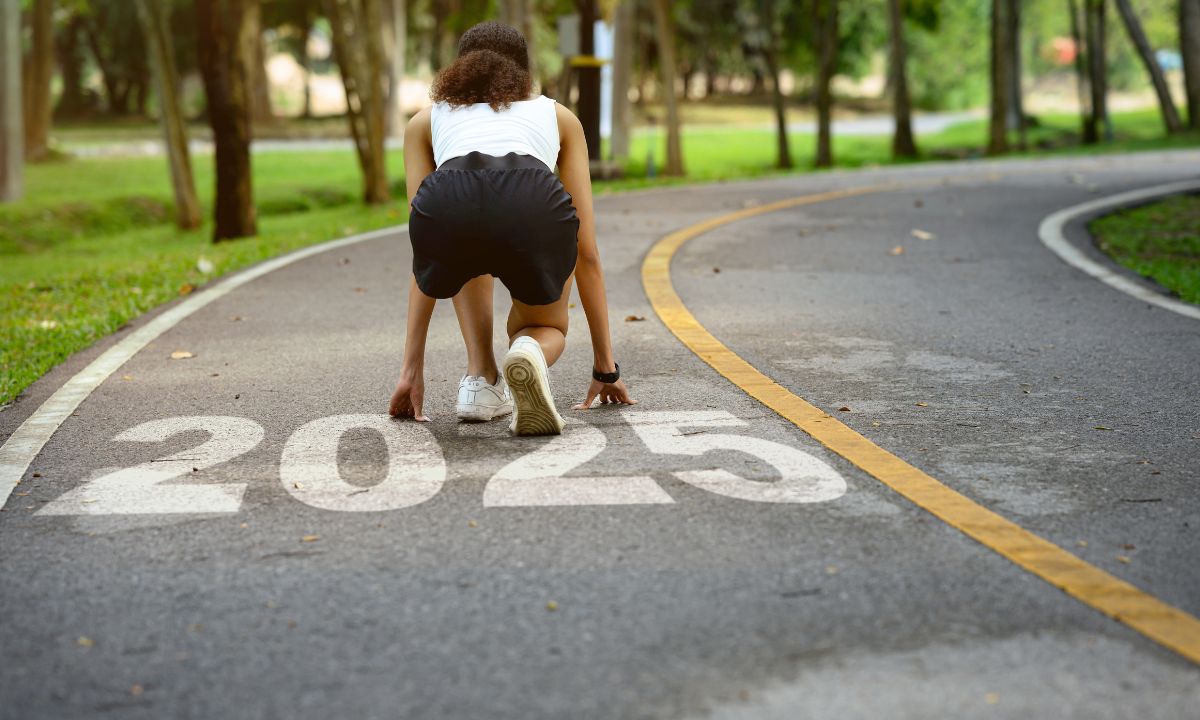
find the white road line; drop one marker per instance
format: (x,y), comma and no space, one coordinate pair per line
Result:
(24,445)
(1051,234)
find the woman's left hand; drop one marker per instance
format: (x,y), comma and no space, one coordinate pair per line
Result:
(615,393)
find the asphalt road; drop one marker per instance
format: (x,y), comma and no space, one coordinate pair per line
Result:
(242,534)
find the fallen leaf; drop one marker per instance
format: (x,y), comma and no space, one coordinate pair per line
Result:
(922,404)
(182,355)
(472,523)
(205,266)
(85,641)
(1081,543)
(310,538)
(137,690)
(1102,427)
(923,234)
(126,377)
(186,288)
(236,318)
(875,423)
(991,698)
(898,250)
(360,290)
(551,606)
(37,474)
(634,318)
(48,324)
(831,569)
(716,269)
(1123,559)
(1129,546)
(844,409)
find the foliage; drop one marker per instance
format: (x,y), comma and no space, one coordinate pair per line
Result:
(1160,241)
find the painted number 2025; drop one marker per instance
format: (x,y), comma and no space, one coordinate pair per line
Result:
(416,469)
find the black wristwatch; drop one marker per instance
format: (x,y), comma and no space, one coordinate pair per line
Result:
(611,377)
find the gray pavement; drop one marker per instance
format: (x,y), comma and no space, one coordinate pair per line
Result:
(317,578)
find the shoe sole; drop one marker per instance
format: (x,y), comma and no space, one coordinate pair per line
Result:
(534,412)
(480,413)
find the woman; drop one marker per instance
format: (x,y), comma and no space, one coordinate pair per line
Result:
(485,203)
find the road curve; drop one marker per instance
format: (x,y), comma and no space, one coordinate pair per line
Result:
(240,533)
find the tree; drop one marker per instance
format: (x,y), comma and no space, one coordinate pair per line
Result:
(358,46)
(399,50)
(11,133)
(1189,43)
(826,26)
(1016,103)
(226,56)
(1137,36)
(158,39)
(903,144)
(38,105)
(766,43)
(114,36)
(1001,78)
(623,47)
(70,49)
(1097,61)
(665,32)
(1082,76)
(260,86)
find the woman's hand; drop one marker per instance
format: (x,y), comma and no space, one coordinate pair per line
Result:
(409,395)
(608,393)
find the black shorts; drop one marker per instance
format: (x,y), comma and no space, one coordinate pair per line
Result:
(507,216)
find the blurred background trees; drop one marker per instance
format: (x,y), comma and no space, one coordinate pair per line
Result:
(229,71)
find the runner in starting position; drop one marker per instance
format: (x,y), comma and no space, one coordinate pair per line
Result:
(485,203)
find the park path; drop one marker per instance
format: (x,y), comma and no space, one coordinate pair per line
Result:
(305,557)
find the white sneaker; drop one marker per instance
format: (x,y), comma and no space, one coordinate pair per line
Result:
(480,401)
(527,375)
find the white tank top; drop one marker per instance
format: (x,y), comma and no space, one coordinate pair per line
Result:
(526,126)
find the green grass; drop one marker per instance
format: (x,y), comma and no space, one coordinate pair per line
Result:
(92,245)
(1160,241)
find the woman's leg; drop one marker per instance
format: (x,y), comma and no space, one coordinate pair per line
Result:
(473,306)
(545,323)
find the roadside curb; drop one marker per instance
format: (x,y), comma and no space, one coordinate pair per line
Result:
(1052,233)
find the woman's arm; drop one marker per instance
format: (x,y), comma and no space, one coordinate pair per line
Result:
(409,396)
(575,173)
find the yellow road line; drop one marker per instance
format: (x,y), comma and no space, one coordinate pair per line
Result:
(1163,623)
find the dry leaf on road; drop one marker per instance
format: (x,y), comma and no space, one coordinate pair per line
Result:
(923,234)
(898,250)
(634,318)
(182,355)
(310,538)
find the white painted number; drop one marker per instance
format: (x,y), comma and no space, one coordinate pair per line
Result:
(309,468)
(537,478)
(139,490)
(804,478)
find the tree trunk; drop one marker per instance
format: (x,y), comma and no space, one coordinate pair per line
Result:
(1189,45)
(12,133)
(664,27)
(827,50)
(306,67)
(1137,36)
(1081,75)
(162,54)
(622,69)
(41,72)
(1016,103)
(783,153)
(70,60)
(903,144)
(358,47)
(226,62)
(1001,79)
(396,69)
(1097,38)
(261,111)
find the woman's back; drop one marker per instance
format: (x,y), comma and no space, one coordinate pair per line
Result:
(529,127)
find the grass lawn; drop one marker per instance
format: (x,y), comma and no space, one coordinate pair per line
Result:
(1160,240)
(92,245)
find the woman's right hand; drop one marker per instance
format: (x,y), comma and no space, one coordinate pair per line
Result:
(608,393)
(409,396)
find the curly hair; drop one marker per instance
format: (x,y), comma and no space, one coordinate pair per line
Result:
(492,67)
